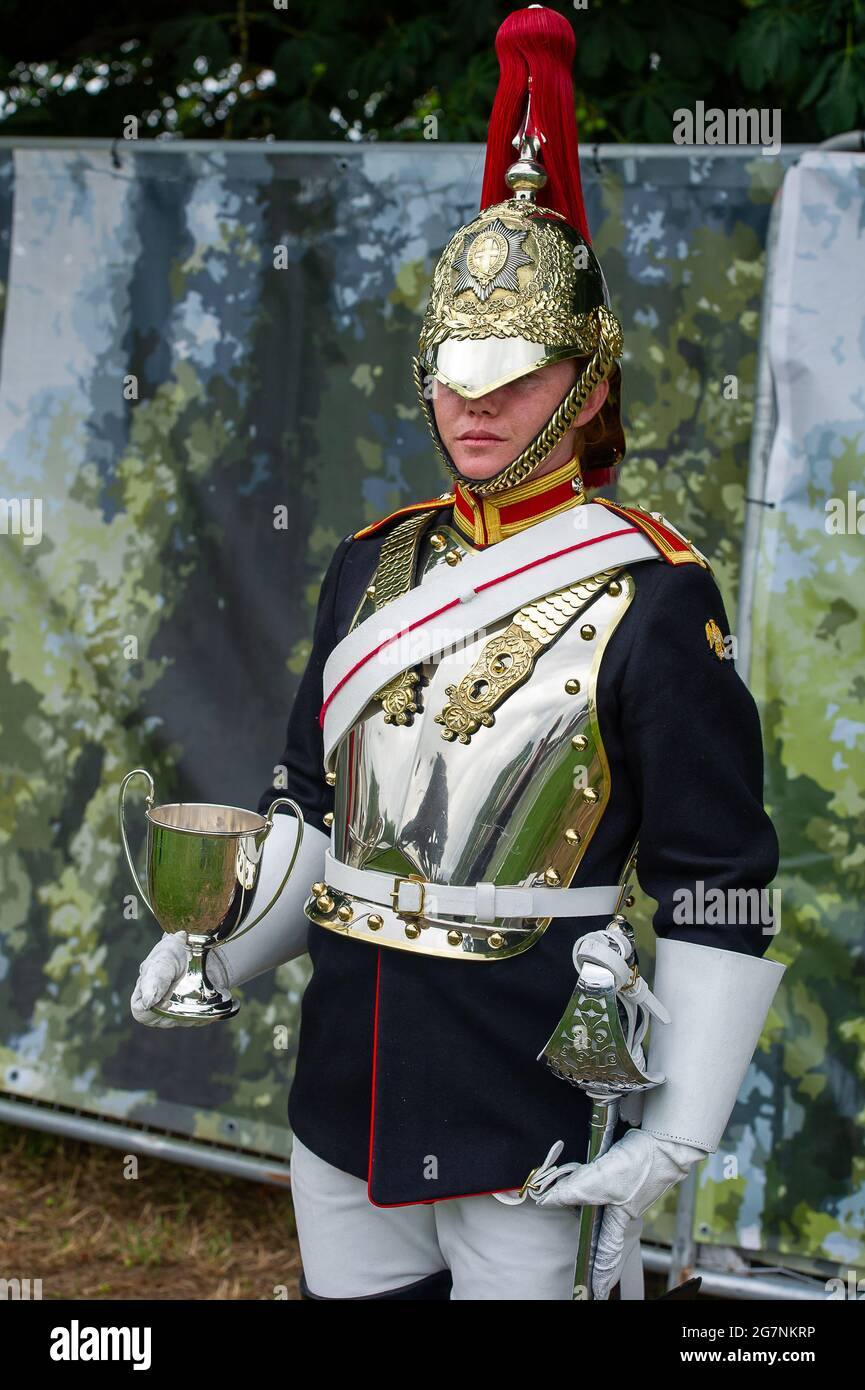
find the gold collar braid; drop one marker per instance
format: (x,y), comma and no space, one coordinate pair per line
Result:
(485,520)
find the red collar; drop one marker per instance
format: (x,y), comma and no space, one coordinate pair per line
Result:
(485,520)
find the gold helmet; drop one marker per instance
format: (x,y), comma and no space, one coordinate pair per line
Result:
(520,286)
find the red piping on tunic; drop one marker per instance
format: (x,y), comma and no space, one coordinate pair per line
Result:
(424,1201)
(430,1201)
(374,1060)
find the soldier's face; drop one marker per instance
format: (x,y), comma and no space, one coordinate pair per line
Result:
(484,435)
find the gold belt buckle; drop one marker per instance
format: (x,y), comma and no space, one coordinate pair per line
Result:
(527,1185)
(632,979)
(394,895)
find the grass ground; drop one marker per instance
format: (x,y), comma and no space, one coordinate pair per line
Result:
(69,1217)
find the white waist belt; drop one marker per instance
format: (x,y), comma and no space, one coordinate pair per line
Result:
(482,901)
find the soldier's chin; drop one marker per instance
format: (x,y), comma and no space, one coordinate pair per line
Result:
(481,461)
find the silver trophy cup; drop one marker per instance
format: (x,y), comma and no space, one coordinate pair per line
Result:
(203,865)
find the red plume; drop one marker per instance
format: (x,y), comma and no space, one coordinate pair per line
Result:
(537,43)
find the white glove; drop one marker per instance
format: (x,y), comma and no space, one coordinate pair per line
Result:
(626,1180)
(158,974)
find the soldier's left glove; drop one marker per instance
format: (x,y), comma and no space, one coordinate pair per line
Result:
(627,1179)
(718,1001)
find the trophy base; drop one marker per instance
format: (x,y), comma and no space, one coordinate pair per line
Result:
(224,1008)
(194,997)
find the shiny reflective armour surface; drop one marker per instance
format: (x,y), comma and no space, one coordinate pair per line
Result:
(516,804)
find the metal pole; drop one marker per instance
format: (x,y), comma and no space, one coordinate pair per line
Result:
(255,1167)
(753,1285)
(684,1252)
(351,149)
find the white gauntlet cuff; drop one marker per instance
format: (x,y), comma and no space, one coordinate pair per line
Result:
(281,935)
(718,1001)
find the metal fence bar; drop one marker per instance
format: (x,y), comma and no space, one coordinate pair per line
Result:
(754,1286)
(762,434)
(350,148)
(683,1253)
(72,1125)
(154,1144)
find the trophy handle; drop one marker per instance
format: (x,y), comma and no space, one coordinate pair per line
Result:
(136,772)
(280,801)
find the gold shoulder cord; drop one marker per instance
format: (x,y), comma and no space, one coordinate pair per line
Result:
(393,578)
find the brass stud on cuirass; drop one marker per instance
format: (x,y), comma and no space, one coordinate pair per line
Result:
(330,779)
(572,687)
(318,888)
(437,541)
(552,877)
(630,900)
(455,938)
(328,818)
(614,589)
(453,557)
(370,591)
(375,922)
(580,742)
(496,940)
(587,632)
(325,902)
(412,931)
(344,913)
(573,837)
(589,794)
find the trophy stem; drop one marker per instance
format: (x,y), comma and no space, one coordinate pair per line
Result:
(194,995)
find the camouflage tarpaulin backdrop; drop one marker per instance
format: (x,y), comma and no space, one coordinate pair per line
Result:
(807,670)
(265,304)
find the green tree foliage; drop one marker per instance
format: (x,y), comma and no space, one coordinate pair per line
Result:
(330,69)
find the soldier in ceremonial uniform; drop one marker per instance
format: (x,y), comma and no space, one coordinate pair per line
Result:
(513,695)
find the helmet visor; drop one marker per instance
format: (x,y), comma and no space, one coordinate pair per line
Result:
(474,366)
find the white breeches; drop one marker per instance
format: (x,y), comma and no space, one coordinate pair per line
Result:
(351,1248)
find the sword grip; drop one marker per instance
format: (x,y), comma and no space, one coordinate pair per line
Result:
(602,1125)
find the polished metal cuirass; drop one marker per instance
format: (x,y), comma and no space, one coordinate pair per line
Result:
(516,801)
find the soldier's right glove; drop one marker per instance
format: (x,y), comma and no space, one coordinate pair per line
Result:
(158,974)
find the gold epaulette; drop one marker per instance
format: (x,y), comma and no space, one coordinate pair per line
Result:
(431,504)
(675,548)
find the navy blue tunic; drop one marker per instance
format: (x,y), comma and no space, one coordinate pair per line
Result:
(420,1075)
